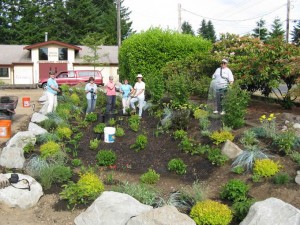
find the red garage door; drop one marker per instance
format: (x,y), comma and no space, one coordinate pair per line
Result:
(45,68)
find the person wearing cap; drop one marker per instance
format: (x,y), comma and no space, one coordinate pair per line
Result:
(91,95)
(222,78)
(52,90)
(138,94)
(111,95)
(125,89)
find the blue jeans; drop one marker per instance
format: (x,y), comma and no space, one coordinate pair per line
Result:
(91,105)
(111,102)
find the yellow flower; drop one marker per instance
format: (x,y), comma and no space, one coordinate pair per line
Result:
(272,115)
(269,119)
(263,117)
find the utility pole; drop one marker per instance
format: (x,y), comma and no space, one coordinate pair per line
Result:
(179,18)
(119,23)
(288,21)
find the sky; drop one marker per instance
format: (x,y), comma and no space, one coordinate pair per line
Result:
(233,16)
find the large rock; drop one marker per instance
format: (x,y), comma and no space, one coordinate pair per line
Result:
(21,139)
(272,211)
(111,208)
(38,117)
(23,198)
(12,157)
(231,150)
(36,129)
(291,117)
(297,178)
(163,216)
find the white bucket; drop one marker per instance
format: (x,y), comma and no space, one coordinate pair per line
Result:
(109,134)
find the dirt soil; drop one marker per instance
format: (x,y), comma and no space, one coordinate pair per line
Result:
(130,164)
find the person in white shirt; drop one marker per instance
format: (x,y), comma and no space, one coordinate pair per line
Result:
(138,94)
(91,95)
(222,78)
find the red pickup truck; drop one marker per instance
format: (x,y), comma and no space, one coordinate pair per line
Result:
(74,77)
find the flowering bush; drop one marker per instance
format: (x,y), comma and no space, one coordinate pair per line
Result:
(269,125)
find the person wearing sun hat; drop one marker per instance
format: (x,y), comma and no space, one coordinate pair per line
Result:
(222,78)
(138,94)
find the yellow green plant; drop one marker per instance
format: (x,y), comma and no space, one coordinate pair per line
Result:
(200,114)
(64,132)
(221,136)
(266,167)
(75,99)
(211,212)
(268,124)
(49,149)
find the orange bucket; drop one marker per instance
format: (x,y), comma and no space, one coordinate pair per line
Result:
(26,102)
(5,128)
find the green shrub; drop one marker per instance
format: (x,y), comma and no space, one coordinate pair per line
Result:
(178,86)
(29,147)
(94,144)
(200,114)
(119,132)
(112,122)
(106,158)
(260,132)
(140,143)
(99,128)
(61,173)
(286,141)
(211,212)
(240,209)
(235,190)
(49,149)
(281,178)
(216,157)
(249,138)
(177,165)
(64,132)
(221,136)
(134,122)
(238,169)
(76,162)
(43,138)
(91,117)
(181,116)
(256,178)
(49,125)
(186,145)
(179,134)
(150,177)
(87,189)
(75,99)
(200,149)
(204,124)
(266,167)
(295,156)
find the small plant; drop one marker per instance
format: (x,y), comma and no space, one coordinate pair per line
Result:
(94,144)
(91,117)
(221,136)
(134,122)
(249,138)
(256,178)
(200,113)
(150,177)
(234,190)
(64,132)
(269,125)
(112,122)
(204,124)
(61,174)
(180,134)
(75,99)
(281,178)
(140,143)
(216,157)
(177,165)
(266,167)
(76,162)
(43,138)
(49,124)
(200,149)
(295,156)
(186,145)
(106,158)
(119,132)
(29,147)
(241,208)
(286,141)
(238,169)
(211,212)
(99,128)
(49,149)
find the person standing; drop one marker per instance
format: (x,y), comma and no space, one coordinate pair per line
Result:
(125,89)
(111,95)
(138,95)
(222,78)
(52,90)
(91,95)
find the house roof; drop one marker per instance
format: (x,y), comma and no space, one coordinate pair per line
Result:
(41,44)
(14,54)
(108,54)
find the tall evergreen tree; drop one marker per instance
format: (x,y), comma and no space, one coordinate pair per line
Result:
(277,29)
(296,34)
(203,29)
(260,31)
(211,34)
(186,28)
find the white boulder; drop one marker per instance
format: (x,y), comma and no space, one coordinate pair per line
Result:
(36,129)
(21,139)
(38,117)
(231,150)
(12,157)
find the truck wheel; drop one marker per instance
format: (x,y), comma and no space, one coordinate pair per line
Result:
(44,86)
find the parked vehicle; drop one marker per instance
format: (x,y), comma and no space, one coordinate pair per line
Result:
(74,77)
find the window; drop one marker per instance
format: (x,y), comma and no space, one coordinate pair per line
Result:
(62,54)
(87,73)
(4,72)
(43,53)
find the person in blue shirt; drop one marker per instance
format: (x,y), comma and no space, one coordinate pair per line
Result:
(52,90)
(126,90)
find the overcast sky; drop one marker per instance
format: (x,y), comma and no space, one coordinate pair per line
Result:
(233,16)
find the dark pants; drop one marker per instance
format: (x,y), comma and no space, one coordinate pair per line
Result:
(219,97)
(111,102)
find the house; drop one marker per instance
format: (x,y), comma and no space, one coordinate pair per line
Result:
(26,64)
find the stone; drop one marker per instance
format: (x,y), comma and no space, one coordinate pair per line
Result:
(36,129)
(297,178)
(12,157)
(111,208)
(272,211)
(163,216)
(38,117)
(4,182)
(296,125)
(231,150)
(284,128)
(21,139)
(290,117)
(23,198)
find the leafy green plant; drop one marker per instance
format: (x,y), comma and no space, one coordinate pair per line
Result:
(91,117)
(94,143)
(61,174)
(49,124)
(179,134)
(249,138)
(216,157)
(256,178)
(235,190)
(200,114)
(286,141)
(119,132)
(64,132)
(106,158)
(75,99)
(200,149)
(295,156)
(49,149)
(204,123)
(186,145)
(99,128)
(177,165)
(140,143)
(181,116)
(150,177)
(221,136)
(281,178)
(238,169)
(212,213)
(112,122)
(241,208)
(43,138)
(260,132)
(134,122)
(266,167)
(29,147)
(76,162)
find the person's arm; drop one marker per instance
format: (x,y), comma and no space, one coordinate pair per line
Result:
(53,87)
